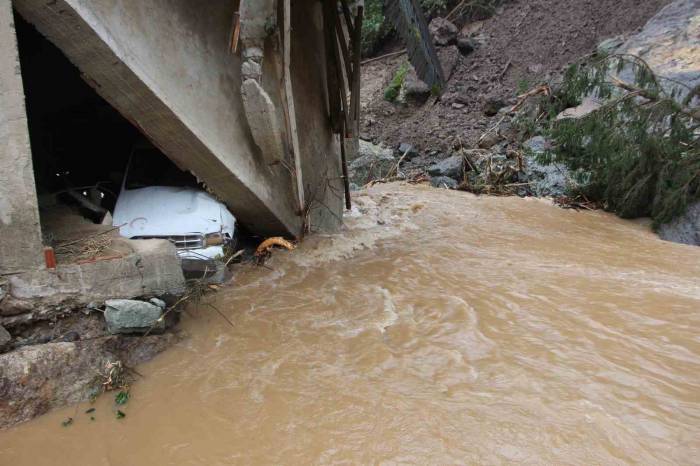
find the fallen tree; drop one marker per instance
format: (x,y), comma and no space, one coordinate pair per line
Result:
(638,151)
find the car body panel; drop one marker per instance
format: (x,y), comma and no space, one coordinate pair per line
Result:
(164,212)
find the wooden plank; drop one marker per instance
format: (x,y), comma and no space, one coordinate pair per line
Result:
(332,84)
(289,99)
(344,49)
(348,18)
(346,177)
(408,19)
(357,72)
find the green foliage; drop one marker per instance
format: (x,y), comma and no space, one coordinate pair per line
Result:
(523,85)
(433,6)
(120,414)
(392,91)
(375,28)
(122,397)
(639,153)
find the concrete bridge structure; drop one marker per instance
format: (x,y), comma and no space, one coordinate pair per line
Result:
(237,93)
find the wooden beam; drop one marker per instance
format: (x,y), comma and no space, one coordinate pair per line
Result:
(332,83)
(289,99)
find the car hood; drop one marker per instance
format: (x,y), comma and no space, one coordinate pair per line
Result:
(164,211)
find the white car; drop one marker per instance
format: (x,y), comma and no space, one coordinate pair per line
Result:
(157,200)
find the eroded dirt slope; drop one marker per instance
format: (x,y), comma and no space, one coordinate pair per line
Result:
(531,40)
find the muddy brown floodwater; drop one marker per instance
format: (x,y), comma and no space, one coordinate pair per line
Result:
(441,328)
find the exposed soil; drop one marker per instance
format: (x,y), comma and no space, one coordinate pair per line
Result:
(525,43)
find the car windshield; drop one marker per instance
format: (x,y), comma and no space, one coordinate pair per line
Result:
(149,167)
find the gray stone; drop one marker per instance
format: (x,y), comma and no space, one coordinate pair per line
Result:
(41,377)
(536,145)
(545,179)
(374,163)
(489,139)
(158,302)
(684,229)
(5,337)
(408,150)
(443,31)
(132,316)
(449,57)
(508,131)
(451,166)
(669,44)
(413,89)
(367,149)
(492,105)
(443,182)
(465,45)
(609,46)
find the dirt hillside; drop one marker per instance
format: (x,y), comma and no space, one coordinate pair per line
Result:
(524,43)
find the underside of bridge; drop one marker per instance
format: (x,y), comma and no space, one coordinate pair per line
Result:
(255,98)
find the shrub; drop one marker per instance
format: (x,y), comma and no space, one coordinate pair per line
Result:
(392,91)
(639,153)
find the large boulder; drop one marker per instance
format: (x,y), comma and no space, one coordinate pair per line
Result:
(132,316)
(451,167)
(545,179)
(413,90)
(685,229)
(35,379)
(374,163)
(443,31)
(670,44)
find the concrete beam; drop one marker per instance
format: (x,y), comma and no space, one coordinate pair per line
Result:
(165,65)
(21,246)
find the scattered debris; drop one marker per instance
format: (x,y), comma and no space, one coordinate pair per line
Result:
(264,250)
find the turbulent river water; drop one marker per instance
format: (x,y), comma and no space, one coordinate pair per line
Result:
(439,328)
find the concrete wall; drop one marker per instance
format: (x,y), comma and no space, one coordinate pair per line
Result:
(320,149)
(20,232)
(165,65)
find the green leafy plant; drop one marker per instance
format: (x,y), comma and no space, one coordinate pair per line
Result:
(120,414)
(375,28)
(639,153)
(394,87)
(122,397)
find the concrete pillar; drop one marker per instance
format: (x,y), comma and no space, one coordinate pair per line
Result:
(20,230)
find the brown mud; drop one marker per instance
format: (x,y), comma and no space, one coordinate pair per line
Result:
(524,44)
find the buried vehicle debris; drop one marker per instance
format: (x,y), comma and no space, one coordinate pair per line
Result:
(158,201)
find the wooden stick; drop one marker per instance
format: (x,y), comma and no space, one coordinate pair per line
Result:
(346,178)
(235,32)
(392,54)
